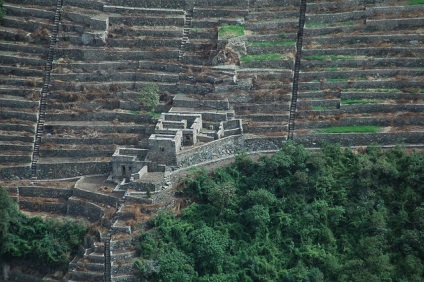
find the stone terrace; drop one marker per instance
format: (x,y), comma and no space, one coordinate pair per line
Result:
(106,55)
(24,41)
(361,65)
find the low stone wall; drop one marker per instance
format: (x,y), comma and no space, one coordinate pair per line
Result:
(44,192)
(72,169)
(381,108)
(57,207)
(91,211)
(380,121)
(95,197)
(227,147)
(359,139)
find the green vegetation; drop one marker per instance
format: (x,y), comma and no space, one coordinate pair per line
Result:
(416,2)
(272,43)
(48,242)
(329,57)
(153,114)
(149,96)
(379,90)
(322,108)
(230,31)
(262,57)
(331,215)
(134,112)
(359,101)
(350,129)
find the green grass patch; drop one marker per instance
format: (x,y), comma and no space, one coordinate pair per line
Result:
(358,101)
(262,57)
(416,2)
(322,108)
(272,43)
(350,129)
(329,57)
(134,112)
(316,24)
(153,114)
(230,31)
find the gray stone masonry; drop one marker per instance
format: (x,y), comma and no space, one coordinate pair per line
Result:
(360,139)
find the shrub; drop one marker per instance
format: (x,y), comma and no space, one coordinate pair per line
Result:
(149,96)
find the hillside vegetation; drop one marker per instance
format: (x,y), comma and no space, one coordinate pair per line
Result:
(330,215)
(49,243)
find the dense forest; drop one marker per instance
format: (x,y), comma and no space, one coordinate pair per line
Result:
(327,215)
(50,243)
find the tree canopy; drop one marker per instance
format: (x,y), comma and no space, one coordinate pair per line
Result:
(330,215)
(50,242)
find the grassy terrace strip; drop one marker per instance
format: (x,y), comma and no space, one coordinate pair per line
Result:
(350,129)
(322,108)
(230,31)
(416,2)
(262,57)
(272,43)
(359,101)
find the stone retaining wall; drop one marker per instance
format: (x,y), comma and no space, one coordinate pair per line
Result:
(71,169)
(44,192)
(95,197)
(88,210)
(360,139)
(226,147)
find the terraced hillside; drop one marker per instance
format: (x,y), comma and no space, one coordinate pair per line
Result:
(362,71)
(70,91)
(73,73)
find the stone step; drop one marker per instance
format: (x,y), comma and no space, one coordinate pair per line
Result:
(129,42)
(125,278)
(269,25)
(142,11)
(113,55)
(16,58)
(21,47)
(19,157)
(19,81)
(401,39)
(17,103)
(21,71)
(136,31)
(171,20)
(106,86)
(63,153)
(117,76)
(26,24)
(220,12)
(10,125)
(16,136)
(98,127)
(29,11)
(87,276)
(20,91)
(401,51)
